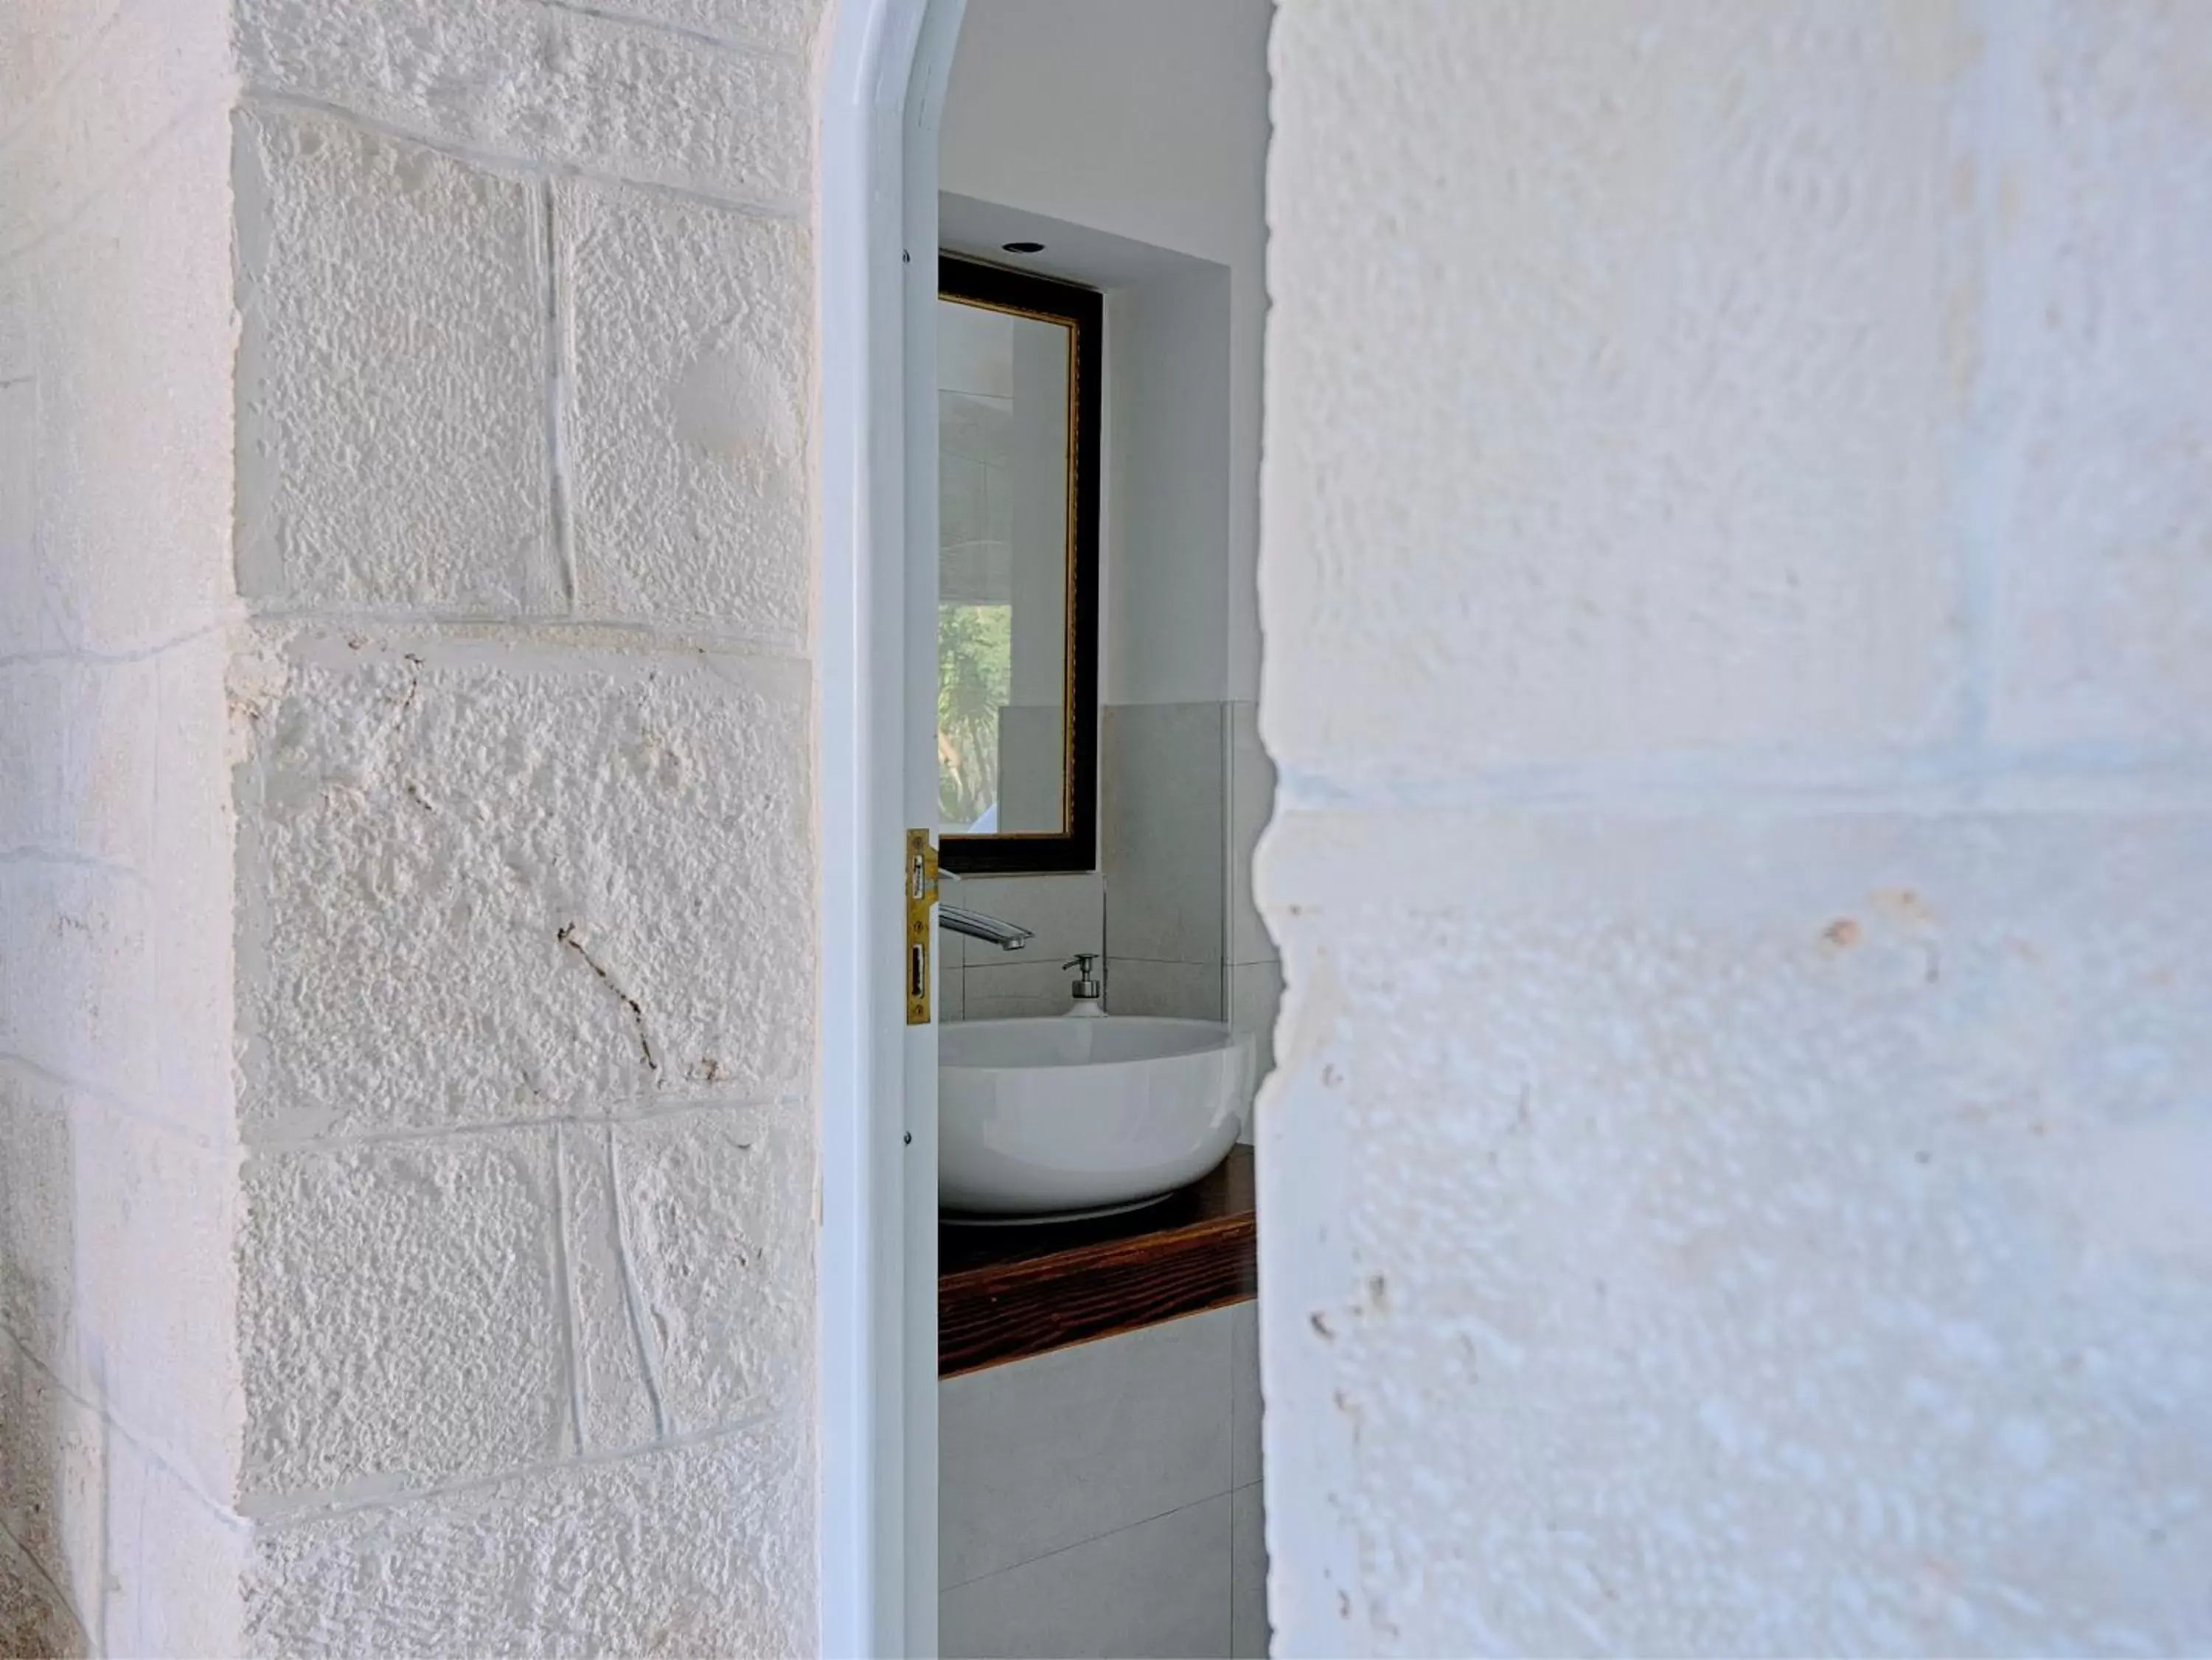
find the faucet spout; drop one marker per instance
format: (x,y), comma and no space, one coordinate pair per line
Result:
(1009,936)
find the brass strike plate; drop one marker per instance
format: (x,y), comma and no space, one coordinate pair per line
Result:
(919,878)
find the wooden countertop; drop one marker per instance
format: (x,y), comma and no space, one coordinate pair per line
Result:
(1006,1293)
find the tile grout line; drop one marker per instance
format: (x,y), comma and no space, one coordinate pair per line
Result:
(1078,1544)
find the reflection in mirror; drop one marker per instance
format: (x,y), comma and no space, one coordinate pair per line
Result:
(1017,529)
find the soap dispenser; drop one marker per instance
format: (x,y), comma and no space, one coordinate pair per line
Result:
(1088,995)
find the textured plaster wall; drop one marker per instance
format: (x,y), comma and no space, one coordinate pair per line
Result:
(1739,615)
(406,885)
(120,1410)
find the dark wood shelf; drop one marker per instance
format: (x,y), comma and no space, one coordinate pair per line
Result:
(1004,1293)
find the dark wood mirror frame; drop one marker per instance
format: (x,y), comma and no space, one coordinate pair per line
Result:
(1075,846)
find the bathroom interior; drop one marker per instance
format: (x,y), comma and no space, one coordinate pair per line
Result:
(1104,985)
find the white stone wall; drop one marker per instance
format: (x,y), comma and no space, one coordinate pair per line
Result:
(406,885)
(526,873)
(119,1426)
(1739,655)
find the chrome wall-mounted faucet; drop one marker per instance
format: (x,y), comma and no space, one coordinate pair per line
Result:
(1008,936)
(992,931)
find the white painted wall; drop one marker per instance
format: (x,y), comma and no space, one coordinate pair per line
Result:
(1739,631)
(119,1423)
(1145,119)
(1169,487)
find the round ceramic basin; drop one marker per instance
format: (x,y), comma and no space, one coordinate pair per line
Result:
(1040,1118)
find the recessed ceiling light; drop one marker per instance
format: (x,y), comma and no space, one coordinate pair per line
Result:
(1023,247)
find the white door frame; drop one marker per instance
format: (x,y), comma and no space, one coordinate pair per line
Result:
(883,87)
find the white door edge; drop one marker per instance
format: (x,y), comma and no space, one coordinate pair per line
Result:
(883,85)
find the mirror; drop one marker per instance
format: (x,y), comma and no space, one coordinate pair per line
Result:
(1017,360)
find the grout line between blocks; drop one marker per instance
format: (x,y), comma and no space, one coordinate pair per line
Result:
(288,1510)
(559,356)
(797,208)
(569,1319)
(654,1113)
(736,45)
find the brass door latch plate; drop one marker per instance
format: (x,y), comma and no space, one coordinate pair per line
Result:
(919,878)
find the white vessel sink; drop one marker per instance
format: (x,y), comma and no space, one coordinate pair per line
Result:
(1082,1114)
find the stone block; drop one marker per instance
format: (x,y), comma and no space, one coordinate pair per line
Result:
(30,753)
(132,306)
(1668,473)
(34,1617)
(176,1565)
(38,1230)
(690,1240)
(76,746)
(114,77)
(120,973)
(49,37)
(686,404)
(155,1231)
(76,986)
(192,875)
(53,1458)
(400,1316)
(392,423)
(492,883)
(26,616)
(559,86)
(2101,591)
(702,1549)
(1814,1194)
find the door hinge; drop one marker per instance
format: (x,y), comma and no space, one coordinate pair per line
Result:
(919,878)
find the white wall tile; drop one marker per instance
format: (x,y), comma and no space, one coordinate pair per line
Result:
(1067,914)
(1044,1453)
(1161,838)
(1244,1463)
(1247,1574)
(1016,991)
(1158,1588)
(1182,990)
(1251,802)
(1256,993)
